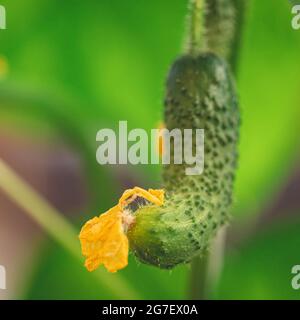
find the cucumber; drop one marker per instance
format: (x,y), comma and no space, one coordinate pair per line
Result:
(200,94)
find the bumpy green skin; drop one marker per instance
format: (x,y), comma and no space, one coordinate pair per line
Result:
(200,94)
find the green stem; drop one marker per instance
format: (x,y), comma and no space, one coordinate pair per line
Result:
(55,225)
(195,38)
(215,261)
(240,9)
(205,271)
(197,283)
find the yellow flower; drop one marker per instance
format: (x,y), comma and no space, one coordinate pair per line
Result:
(103,239)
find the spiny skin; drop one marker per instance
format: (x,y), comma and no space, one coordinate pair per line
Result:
(200,94)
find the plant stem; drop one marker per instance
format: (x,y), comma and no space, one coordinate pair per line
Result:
(215,261)
(55,225)
(206,270)
(240,9)
(195,38)
(197,283)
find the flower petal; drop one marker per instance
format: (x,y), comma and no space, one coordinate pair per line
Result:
(103,241)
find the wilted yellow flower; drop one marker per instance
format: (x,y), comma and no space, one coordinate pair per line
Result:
(103,239)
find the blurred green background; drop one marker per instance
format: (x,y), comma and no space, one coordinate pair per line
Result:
(75,67)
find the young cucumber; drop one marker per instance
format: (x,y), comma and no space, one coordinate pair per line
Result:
(200,95)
